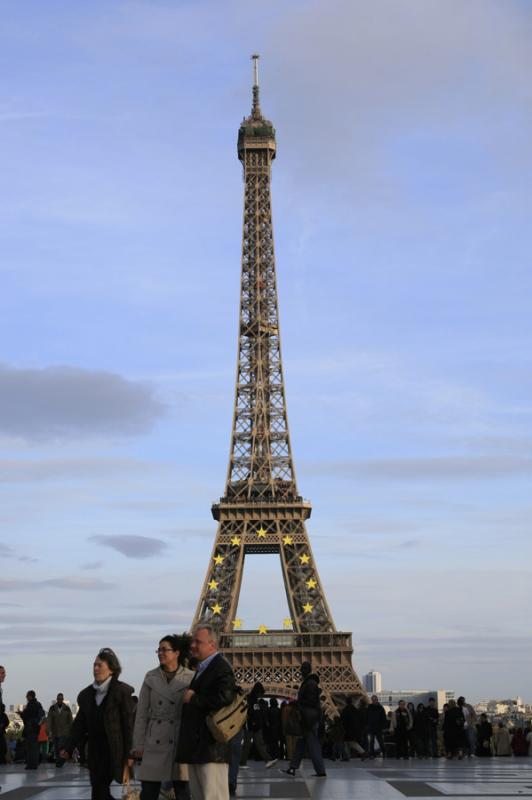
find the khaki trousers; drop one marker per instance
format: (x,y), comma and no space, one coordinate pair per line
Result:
(208,781)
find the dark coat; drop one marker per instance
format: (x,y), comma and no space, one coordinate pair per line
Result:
(453,729)
(377,721)
(214,688)
(308,701)
(118,725)
(59,720)
(484,734)
(32,716)
(348,717)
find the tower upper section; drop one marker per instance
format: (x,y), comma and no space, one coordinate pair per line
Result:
(256,132)
(260,462)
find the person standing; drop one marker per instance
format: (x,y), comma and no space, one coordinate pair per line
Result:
(431,712)
(453,730)
(528,738)
(2,679)
(501,741)
(376,725)
(158,720)
(212,688)
(309,707)
(4,725)
(401,725)
(470,730)
(105,720)
(59,726)
(484,734)
(32,716)
(421,731)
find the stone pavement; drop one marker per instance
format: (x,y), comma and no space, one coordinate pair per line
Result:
(368,780)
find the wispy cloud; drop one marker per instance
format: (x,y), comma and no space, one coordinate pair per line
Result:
(427,469)
(70,469)
(67,402)
(73,582)
(132,546)
(76,582)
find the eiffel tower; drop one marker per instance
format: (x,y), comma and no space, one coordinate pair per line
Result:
(261,511)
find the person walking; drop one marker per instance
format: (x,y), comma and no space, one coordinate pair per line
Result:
(59,727)
(309,707)
(274,728)
(212,688)
(32,716)
(353,730)
(105,720)
(158,719)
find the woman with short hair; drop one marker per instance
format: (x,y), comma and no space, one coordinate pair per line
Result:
(105,719)
(158,719)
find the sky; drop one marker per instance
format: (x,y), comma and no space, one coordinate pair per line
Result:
(402,197)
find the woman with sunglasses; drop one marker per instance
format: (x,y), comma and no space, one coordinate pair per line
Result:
(158,720)
(105,721)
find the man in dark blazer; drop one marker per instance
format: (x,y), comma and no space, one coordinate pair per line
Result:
(212,687)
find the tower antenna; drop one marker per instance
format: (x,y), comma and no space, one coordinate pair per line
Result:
(255,58)
(256,106)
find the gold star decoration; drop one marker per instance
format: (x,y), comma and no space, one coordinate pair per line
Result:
(236,623)
(213,584)
(218,560)
(216,609)
(307,608)
(311,583)
(305,558)
(236,540)
(288,540)
(263,629)
(261,533)
(287,622)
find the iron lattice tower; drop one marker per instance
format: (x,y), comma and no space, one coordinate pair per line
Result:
(261,510)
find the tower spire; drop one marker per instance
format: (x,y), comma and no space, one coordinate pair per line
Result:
(255,110)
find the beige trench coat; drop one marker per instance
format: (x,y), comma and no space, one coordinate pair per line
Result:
(157,724)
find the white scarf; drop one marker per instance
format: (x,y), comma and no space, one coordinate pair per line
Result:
(101,690)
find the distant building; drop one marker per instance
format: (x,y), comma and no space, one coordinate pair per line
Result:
(389,698)
(372,682)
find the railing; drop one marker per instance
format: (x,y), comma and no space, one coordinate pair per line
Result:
(289,640)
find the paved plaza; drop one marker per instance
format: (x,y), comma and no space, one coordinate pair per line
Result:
(393,780)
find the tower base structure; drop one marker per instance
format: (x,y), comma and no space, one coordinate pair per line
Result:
(274,659)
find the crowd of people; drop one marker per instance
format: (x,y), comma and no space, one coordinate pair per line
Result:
(421,731)
(164,734)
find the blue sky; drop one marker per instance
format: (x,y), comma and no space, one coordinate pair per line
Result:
(402,199)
